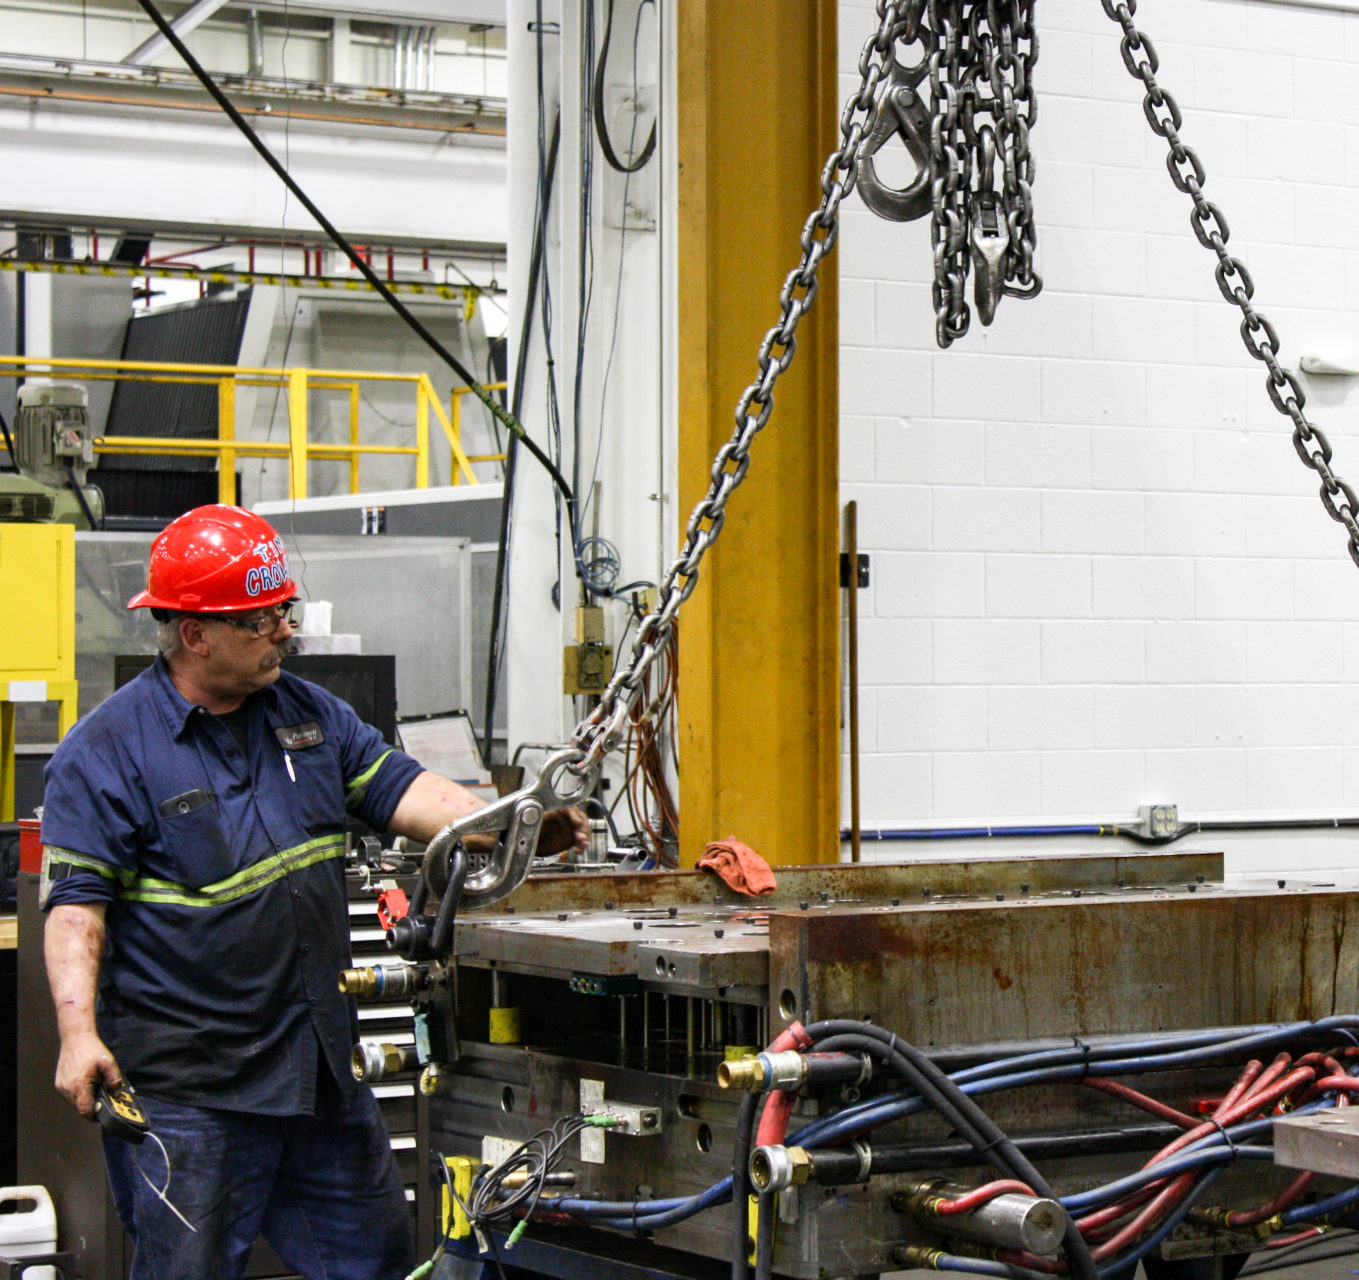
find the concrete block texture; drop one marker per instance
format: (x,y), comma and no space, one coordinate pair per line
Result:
(1102,575)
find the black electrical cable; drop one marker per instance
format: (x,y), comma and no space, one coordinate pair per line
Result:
(746,1115)
(508,420)
(80,498)
(964,1115)
(585,276)
(9,444)
(601,128)
(536,270)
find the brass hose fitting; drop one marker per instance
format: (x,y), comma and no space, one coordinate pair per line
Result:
(741,1073)
(383,981)
(917,1255)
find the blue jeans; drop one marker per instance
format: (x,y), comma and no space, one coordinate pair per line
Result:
(323,1190)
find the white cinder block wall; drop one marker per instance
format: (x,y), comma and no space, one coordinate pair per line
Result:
(1101,578)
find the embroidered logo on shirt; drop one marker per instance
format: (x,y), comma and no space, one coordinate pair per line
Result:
(298,737)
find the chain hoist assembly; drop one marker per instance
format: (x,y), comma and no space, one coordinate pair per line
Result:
(970,142)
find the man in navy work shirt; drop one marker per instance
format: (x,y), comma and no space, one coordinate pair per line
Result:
(193,875)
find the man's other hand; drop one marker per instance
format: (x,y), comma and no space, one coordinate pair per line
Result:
(563,830)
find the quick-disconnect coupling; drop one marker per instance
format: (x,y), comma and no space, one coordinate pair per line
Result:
(383,981)
(374,1062)
(775,1168)
(783,1070)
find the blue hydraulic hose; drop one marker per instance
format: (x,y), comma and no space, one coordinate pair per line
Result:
(1172,1168)
(1322,1207)
(642,1215)
(978,1266)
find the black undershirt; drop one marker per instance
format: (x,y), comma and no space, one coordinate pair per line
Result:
(234,723)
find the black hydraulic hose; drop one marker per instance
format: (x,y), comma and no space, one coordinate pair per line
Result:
(511,454)
(746,1115)
(501,414)
(764,1238)
(977,1127)
(836,1166)
(9,444)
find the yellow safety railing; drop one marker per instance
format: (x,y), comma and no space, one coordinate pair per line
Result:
(455,408)
(298,449)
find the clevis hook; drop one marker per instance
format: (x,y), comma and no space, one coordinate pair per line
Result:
(899,113)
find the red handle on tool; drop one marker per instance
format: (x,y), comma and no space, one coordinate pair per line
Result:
(392,905)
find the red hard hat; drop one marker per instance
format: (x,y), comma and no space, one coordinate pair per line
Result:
(216,559)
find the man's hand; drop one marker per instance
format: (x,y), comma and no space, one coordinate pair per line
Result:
(84,1063)
(74,943)
(564,829)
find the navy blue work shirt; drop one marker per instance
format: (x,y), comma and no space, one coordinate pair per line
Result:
(227,921)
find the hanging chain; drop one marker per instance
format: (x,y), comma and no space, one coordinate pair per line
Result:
(604,728)
(980,58)
(1233,280)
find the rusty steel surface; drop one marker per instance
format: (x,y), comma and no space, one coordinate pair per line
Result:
(595,891)
(1062,965)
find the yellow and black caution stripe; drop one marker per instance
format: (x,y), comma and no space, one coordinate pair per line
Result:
(215,275)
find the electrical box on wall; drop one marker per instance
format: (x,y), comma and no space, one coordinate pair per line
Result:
(587,666)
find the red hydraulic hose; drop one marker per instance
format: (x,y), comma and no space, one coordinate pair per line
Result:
(979,1196)
(1250,1073)
(1140,1100)
(779,1105)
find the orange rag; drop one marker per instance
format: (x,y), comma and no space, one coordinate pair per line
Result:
(739,866)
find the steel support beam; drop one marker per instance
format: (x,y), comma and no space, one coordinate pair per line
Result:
(189,20)
(759,640)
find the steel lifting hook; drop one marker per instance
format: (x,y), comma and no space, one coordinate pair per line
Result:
(517,821)
(899,113)
(990,234)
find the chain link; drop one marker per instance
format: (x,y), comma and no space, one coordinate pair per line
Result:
(1233,280)
(980,57)
(606,725)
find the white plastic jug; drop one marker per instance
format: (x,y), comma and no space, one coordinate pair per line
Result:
(28,1226)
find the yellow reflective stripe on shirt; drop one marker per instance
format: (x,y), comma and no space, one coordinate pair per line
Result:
(54,854)
(254,878)
(354,789)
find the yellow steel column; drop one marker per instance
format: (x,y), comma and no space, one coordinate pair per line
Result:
(297,433)
(759,639)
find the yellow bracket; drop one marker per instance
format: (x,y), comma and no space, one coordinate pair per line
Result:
(455,1223)
(753,1222)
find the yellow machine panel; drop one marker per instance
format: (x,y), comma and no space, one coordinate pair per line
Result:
(37,640)
(37,595)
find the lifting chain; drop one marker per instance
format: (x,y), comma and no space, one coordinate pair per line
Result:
(1233,280)
(972,146)
(604,728)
